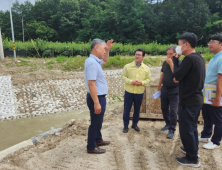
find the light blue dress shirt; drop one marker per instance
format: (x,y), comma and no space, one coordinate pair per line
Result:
(93,71)
(214,68)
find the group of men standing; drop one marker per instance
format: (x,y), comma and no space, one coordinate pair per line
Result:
(181,82)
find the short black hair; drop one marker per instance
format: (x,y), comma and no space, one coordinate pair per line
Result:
(216,36)
(141,51)
(189,37)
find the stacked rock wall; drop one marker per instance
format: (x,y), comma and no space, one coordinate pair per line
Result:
(8,101)
(42,97)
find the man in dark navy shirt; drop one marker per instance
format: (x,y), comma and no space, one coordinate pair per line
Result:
(191,75)
(169,92)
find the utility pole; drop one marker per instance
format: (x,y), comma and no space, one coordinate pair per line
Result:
(23,30)
(1,47)
(13,38)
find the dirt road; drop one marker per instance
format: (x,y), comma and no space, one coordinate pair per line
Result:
(148,149)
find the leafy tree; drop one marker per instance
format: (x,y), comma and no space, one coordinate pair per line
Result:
(40,30)
(69,19)
(126,21)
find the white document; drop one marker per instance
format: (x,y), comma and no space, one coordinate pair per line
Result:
(210,93)
(156,95)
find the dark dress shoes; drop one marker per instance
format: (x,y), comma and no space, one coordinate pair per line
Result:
(96,151)
(125,129)
(136,128)
(103,143)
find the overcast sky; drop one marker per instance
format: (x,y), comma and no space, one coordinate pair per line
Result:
(4,4)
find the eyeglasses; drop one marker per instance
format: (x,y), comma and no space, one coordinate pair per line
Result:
(213,42)
(139,55)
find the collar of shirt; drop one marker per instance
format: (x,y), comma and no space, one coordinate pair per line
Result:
(96,58)
(218,54)
(138,65)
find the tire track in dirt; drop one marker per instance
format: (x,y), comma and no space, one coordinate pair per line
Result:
(115,152)
(159,157)
(142,146)
(141,160)
(131,150)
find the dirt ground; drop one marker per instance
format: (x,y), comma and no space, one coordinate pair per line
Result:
(27,74)
(148,149)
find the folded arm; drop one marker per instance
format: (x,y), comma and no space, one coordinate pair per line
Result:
(124,76)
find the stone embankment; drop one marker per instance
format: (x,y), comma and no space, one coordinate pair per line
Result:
(42,97)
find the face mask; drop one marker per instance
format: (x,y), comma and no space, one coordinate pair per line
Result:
(178,50)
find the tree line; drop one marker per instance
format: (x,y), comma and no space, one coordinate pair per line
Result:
(126,21)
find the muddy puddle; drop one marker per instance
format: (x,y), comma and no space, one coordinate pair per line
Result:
(16,131)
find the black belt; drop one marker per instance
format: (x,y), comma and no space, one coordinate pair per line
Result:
(103,95)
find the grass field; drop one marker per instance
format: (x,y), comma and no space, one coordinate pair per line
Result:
(77,63)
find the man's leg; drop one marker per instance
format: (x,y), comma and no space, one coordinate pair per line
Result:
(95,126)
(188,117)
(102,101)
(165,105)
(137,104)
(208,125)
(217,121)
(91,143)
(128,101)
(173,99)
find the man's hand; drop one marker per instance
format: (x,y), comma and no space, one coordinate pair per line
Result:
(159,88)
(169,61)
(138,83)
(97,108)
(133,82)
(177,55)
(175,81)
(215,102)
(109,44)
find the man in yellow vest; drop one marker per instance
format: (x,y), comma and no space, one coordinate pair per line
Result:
(136,76)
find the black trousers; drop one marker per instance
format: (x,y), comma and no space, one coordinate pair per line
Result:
(94,131)
(169,104)
(188,118)
(212,115)
(129,100)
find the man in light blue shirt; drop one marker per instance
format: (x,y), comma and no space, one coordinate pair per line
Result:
(93,71)
(212,114)
(97,89)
